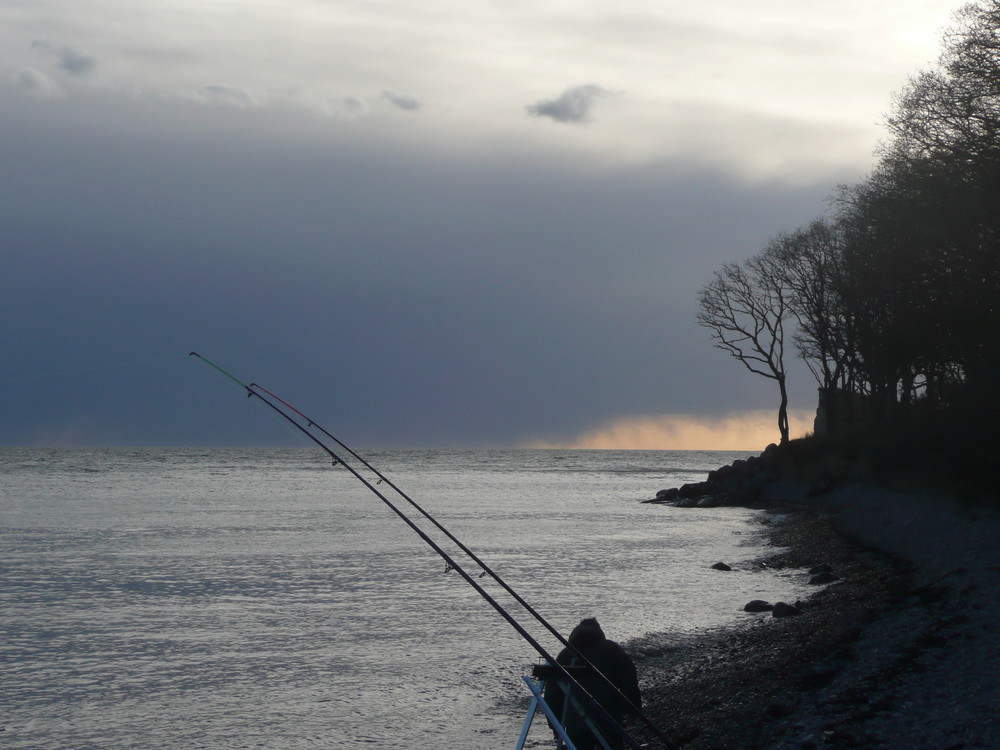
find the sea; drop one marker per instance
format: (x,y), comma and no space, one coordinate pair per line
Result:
(265,598)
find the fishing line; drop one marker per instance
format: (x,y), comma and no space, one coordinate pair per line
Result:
(254,390)
(280,419)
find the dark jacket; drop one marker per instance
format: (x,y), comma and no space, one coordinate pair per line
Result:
(612,661)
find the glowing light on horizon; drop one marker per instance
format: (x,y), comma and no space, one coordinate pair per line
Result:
(748,430)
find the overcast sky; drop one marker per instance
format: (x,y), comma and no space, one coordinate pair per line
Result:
(436,223)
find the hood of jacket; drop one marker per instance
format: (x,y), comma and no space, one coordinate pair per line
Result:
(587,632)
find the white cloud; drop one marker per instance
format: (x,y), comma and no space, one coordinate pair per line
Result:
(701,78)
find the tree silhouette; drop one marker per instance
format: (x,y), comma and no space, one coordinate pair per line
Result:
(893,301)
(745,306)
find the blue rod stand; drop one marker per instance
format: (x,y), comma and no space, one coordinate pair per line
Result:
(538,701)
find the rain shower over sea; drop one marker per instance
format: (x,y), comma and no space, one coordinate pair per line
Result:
(244,598)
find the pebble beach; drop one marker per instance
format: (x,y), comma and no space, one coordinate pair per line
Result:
(900,652)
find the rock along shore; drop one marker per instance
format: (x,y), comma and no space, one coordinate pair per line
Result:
(899,653)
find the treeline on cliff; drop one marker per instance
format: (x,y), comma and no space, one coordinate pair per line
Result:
(893,297)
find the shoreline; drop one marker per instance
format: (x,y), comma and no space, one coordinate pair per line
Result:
(897,654)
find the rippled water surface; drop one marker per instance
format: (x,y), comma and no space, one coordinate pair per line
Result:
(261,598)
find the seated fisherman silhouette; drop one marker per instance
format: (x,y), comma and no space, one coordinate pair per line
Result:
(620,697)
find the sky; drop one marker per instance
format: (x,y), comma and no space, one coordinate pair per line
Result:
(455,224)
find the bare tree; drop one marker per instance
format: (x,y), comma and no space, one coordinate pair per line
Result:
(745,306)
(808,261)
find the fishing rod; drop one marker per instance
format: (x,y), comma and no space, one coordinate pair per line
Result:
(591,703)
(487,570)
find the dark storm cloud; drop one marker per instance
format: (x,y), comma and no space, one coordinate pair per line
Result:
(405,103)
(67,59)
(574,105)
(406,298)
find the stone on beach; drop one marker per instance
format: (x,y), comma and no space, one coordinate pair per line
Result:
(783,609)
(821,578)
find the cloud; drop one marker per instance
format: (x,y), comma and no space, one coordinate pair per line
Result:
(513,295)
(747,430)
(68,59)
(37,84)
(75,62)
(403,102)
(238,97)
(574,105)
(233,96)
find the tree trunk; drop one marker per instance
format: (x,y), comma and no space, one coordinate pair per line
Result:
(783,411)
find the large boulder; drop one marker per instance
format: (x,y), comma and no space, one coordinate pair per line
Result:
(783,609)
(758,605)
(667,496)
(725,473)
(693,489)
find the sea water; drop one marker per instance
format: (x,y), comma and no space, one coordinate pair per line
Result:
(226,598)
